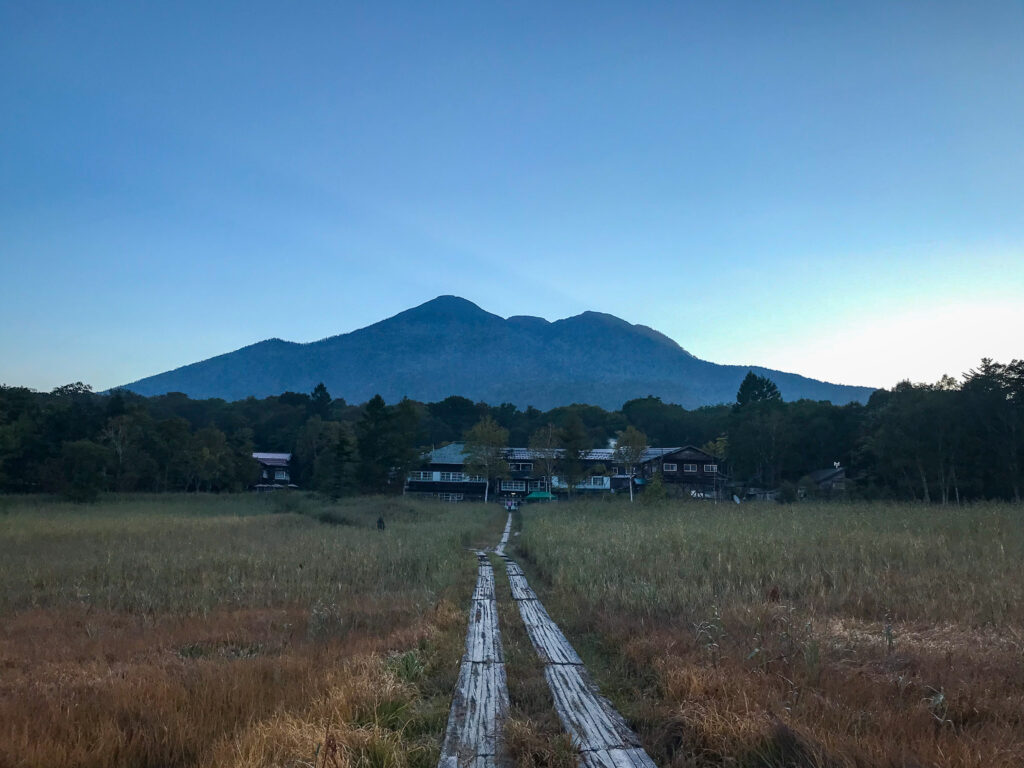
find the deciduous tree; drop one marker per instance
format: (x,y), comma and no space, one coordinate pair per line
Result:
(630,445)
(485,451)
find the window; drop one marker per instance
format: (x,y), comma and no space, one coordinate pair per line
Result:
(421,476)
(451,477)
(537,485)
(521,467)
(475,479)
(281,474)
(513,485)
(450,496)
(670,467)
(615,470)
(597,480)
(711,468)
(689,467)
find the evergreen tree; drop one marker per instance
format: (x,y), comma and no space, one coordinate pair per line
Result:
(341,480)
(756,389)
(375,437)
(320,401)
(573,442)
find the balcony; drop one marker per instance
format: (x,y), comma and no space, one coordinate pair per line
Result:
(594,483)
(444,477)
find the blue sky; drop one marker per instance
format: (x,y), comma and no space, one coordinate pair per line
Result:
(837,191)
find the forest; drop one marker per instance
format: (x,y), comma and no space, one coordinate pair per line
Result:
(948,442)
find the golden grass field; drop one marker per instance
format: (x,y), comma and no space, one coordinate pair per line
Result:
(286,631)
(803,635)
(232,630)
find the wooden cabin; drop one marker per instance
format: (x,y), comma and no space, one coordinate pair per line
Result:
(275,470)
(698,472)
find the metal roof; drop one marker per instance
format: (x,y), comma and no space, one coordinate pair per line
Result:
(455,453)
(273,459)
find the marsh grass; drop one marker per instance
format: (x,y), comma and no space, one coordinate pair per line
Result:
(231,630)
(801,635)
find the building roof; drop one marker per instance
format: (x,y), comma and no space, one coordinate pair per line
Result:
(609,454)
(455,453)
(692,451)
(822,475)
(273,459)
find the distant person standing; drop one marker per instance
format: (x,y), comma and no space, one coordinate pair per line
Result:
(380,523)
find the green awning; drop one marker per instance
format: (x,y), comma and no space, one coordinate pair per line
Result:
(539,496)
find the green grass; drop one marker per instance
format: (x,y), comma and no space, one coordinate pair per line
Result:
(191,554)
(865,561)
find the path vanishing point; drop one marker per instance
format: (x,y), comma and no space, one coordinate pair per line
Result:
(480,703)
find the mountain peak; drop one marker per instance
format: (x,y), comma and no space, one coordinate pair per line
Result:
(448,307)
(450,346)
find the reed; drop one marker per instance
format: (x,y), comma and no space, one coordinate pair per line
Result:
(807,634)
(231,630)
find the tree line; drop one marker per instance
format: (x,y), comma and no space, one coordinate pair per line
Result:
(947,442)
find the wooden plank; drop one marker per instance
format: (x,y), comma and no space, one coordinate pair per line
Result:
(551,645)
(483,642)
(598,731)
(500,549)
(480,702)
(478,712)
(616,758)
(580,710)
(485,579)
(520,588)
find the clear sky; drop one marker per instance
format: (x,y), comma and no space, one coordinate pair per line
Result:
(836,191)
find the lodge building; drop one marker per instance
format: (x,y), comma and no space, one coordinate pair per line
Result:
(443,474)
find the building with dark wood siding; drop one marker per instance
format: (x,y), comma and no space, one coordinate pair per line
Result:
(443,475)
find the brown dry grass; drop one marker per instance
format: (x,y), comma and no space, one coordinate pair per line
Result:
(270,665)
(894,637)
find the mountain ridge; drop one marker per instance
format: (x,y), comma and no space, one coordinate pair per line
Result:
(451,346)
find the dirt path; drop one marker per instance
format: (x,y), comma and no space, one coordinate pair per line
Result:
(480,704)
(597,729)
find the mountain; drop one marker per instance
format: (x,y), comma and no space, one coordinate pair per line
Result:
(450,346)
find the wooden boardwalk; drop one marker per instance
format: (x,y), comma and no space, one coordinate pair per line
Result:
(500,549)
(597,729)
(473,738)
(480,704)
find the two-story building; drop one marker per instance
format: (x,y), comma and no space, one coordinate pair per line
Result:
(696,471)
(443,473)
(275,471)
